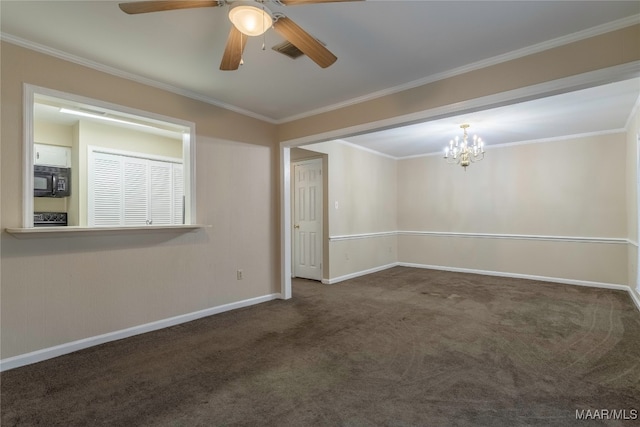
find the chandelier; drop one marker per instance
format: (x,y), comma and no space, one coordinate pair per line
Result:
(463,154)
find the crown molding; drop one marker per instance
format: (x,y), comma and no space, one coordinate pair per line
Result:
(581,35)
(127,75)
(520,53)
(525,142)
(362,148)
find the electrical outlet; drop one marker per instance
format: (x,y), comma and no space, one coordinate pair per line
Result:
(239,275)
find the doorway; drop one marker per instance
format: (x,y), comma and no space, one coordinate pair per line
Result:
(307,219)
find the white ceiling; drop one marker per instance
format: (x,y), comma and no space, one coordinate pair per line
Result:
(595,110)
(382,46)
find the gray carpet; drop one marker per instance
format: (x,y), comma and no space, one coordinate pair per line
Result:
(403,347)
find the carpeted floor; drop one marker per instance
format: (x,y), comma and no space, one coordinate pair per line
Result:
(403,347)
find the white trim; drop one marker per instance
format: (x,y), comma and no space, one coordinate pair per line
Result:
(358,274)
(559,138)
(362,148)
(559,280)
(62,349)
(634,296)
(524,142)
(28,93)
(572,239)
(362,236)
(575,282)
(42,232)
(189,174)
(520,53)
(285,222)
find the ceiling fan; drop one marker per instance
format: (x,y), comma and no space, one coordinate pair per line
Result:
(249,18)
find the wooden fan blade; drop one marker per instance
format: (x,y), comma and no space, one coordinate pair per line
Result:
(233,50)
(159,6)
(294,2)
(304,41)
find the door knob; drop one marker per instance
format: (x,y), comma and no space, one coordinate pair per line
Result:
(296,226)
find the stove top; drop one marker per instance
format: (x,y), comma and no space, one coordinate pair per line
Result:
(49,219)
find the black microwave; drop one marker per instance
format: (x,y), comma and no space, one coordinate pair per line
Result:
(49,181)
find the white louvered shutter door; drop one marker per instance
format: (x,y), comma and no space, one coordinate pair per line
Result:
(105,198)
(178,194)
(136,191)
(160,175)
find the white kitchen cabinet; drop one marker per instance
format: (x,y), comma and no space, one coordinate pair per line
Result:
(51,155)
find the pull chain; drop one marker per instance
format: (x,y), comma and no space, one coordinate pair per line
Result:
(263,29)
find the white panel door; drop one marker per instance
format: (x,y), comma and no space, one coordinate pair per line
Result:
(307,219)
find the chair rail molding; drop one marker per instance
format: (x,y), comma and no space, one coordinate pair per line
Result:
(572,239)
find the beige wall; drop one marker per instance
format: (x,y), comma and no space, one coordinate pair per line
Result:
(56,290)
(52,133)
(570,188)
(524,210)
(118,138)
(532,206)
(363,184)
(60,289)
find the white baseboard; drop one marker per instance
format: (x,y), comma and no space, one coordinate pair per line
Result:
(358,274)
(616,286)
(635,297)
(59,350)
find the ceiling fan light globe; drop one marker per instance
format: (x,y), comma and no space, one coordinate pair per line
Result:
(250,20)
